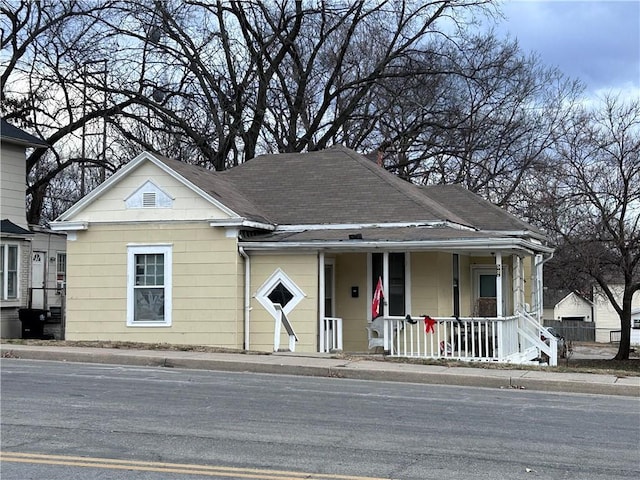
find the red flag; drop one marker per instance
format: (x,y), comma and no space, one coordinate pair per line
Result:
(376,305)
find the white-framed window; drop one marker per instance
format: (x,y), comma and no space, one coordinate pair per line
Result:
(9,255)
(149,285)
(279,288)
(394,270)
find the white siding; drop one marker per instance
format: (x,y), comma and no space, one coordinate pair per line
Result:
(573,306)
(606,318)
(13,184)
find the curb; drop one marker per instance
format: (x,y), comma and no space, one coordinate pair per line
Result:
(353,371)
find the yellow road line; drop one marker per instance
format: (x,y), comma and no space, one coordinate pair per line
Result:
(212,471)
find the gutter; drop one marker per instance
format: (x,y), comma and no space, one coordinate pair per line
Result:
(247,295)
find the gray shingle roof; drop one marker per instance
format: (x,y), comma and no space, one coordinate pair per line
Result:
(11,134)
(332,186)
(8,227)
(474,209)
(218,187)
(339,186)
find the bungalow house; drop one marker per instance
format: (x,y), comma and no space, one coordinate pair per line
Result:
(32,258)
(293,247)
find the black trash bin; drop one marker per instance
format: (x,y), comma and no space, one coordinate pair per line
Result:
(33,320)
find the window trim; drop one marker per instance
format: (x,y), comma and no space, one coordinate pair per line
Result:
(278,276)
(4,251)
(132,251)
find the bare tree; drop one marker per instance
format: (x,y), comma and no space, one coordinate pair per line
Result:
(57,83)
(593,204)
(478,112)
(210,82)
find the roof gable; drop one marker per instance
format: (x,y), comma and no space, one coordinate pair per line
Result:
(126,175)
(575,298)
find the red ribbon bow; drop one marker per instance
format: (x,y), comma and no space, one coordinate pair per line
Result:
(429,324)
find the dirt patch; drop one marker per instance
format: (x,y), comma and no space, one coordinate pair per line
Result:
(130,346)
(621,368)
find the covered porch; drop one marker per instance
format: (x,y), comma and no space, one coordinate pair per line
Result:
(468,305)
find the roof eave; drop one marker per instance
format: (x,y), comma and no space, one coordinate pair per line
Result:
(242,223)
(63,226)
(515,244)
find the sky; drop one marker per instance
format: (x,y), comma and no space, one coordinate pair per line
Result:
(597,41)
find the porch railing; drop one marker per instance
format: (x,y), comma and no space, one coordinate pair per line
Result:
(516,339)
(465,338)
(331,335)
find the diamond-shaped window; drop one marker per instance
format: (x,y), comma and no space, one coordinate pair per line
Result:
(280,295)
(279,288)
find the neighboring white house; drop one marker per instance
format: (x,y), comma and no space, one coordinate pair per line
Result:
(32,258)
(635,326)
(573,307)
(607,319)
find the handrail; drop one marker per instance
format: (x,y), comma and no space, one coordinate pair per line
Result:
(282,319)
(551,349)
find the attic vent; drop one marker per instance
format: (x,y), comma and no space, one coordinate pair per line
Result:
(149,199)
(149,195)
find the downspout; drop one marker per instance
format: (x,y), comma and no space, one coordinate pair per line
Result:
(247,294)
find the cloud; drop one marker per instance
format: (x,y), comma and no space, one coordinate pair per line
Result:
(595,41)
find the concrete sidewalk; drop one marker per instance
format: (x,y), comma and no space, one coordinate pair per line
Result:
(332,366)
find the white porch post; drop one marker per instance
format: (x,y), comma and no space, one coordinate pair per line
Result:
(385,283)
(321,295)
(499,284)
(518,284)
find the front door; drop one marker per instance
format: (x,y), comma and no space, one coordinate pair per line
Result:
(485,288)
(38,272)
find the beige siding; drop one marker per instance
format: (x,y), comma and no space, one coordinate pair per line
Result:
(205,284)
(466,282)
(302,269)
(111,207)
(431,284)
(13,184)
(351,271)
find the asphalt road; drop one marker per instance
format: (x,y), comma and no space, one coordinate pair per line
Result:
(159,423)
